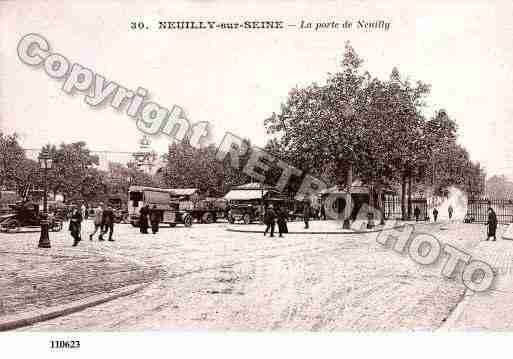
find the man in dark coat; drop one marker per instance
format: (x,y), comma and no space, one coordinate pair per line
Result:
(143,220)
(154,219)
(75,226)
(450,210)
(108,223)
(416,213)
(270,220)
(282,221)
(435,214)
(306,213)
(492,224)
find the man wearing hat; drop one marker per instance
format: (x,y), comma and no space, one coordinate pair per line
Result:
(270,220)
(98,221)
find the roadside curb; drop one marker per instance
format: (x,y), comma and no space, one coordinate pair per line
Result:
(327,232)
(336,232)
(25,319)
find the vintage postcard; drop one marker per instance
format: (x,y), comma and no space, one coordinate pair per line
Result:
(254,167)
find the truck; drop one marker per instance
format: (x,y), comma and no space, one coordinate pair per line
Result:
(206,210)
(202,209)
(166,201)
(247,202)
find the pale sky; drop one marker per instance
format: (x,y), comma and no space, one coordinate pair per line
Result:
(235,79)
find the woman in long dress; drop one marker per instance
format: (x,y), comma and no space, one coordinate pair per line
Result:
(492,224)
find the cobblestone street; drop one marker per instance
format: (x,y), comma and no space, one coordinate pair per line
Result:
(205,277)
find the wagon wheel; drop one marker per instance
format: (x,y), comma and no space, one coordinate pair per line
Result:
(247,219)
(187,221)
(208,218)
(231,220)
(11,225)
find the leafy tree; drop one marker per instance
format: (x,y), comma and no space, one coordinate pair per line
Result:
(499,187)
(189,167)
(12,158)
(72,174)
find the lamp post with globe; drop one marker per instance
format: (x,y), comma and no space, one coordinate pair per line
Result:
(45,162)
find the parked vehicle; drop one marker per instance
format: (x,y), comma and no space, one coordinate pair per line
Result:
(245,212)
(209,210)
(247,202)
(27,214)
(167,201)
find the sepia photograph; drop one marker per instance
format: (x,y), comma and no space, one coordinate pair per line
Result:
(239,173)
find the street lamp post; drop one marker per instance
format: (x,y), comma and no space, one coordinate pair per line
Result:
(349,182)
(45,162)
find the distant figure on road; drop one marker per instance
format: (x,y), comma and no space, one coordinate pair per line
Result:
(450,210)
(435,214)
(323,212)
(306,213)
(416,213)
(154,219)
(83,210)
(492,224)
(143,220)
(108,223)
(282,221)
(75,226)
(269,220)
(98,221)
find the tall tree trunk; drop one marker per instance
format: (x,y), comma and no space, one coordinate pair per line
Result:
(409,196)
(348,207)
(379,203)
(403,196)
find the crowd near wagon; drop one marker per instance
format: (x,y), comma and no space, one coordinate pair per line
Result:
(165,201)
(243,204)
(247,202)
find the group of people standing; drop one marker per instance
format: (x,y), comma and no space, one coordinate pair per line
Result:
(417,212)
(104,219)
(272,217)
(280,217)
(491,223)
(450,211)
(149,217)
(103,222)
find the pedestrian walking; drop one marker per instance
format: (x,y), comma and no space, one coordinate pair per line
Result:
(282,216)
(143,220)
(450,210)
(98,221)
(270,220)
(435,214)
(154,219)
(323,212)
(306,213)
(492,224)
(416,213)
(83,210)
(108,223)
(75,226)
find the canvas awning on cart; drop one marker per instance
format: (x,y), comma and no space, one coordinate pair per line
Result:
(245,194)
